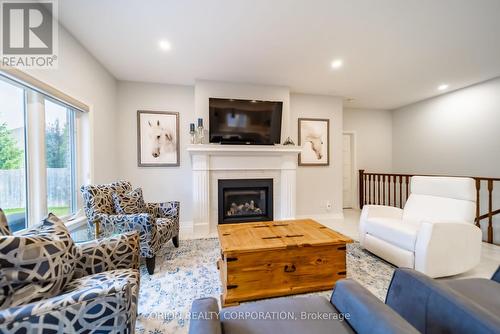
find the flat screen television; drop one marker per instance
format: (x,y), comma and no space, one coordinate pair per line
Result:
(247,122)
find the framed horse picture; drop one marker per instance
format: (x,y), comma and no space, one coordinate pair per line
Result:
(157,138)
(314,137)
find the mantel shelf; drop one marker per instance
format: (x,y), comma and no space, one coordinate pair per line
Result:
(214,149)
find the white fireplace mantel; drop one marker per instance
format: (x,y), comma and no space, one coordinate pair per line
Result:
(212,162)
(243,149)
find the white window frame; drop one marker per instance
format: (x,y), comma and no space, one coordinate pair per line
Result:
(36,156)
(35,159)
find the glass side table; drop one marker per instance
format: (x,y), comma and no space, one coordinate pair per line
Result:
(85,233)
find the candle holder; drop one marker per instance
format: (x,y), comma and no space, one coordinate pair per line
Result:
(200,131)
(200,135)
(192,133)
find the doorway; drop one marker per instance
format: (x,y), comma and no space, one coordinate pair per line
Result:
(348,169)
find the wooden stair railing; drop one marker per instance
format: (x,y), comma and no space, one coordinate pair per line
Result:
(394,189)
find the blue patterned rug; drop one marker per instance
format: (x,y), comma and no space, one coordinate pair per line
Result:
(189,272)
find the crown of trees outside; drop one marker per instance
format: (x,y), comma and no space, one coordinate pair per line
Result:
(11,156)
(57,147)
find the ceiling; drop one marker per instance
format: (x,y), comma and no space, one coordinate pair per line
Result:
(394,52)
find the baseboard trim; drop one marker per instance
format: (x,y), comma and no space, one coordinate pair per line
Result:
(186,226)
(322,216)
(189,230)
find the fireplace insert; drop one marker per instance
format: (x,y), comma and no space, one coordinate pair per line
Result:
(245,200)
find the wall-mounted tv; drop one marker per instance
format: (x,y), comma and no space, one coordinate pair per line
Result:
(249,122)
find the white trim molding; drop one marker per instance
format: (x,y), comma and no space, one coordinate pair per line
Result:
(213,162)
(41,87)
(354,176)
(323,216)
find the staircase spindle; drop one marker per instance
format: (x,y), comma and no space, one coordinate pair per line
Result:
(407,187)
(366,186)
(383,184)
(388,190)
(369,189)
(490,211)
(372,196)
(364,190)
(478,201)
(378,189)
(400,191)
(394,184)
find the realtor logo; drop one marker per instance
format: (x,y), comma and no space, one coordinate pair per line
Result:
(29,33)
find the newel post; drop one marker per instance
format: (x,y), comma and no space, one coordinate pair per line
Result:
(361,184)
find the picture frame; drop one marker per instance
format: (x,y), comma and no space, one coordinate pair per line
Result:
(158,139)
(314,138)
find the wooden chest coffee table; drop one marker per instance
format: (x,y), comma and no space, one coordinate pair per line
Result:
(278,258)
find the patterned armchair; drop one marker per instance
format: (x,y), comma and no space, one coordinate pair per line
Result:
(156,226)
(101,292)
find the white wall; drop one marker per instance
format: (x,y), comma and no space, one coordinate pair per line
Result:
(317,185)
(372,131)
(205,89)
(158,183)
(453,134)
(456,133)
(373,138)
(82,77)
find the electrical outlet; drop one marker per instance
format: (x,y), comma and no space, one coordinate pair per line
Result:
(328,205)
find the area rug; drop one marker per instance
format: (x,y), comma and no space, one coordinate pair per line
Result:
(189,272)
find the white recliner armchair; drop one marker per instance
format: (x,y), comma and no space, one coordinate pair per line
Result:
(434,233)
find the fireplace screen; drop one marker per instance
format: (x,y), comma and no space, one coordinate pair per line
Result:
(249,202)
(245,200)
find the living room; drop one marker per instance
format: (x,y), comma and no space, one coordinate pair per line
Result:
(181,145)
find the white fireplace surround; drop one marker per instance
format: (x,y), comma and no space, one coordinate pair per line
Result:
(212,162)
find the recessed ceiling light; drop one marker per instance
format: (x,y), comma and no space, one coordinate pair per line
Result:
(443,87)
(337,63)
(164,45)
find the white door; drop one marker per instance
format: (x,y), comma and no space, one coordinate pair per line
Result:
(347,171)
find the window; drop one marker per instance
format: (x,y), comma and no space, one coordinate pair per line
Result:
(13,198)
(39,151)
(60,158)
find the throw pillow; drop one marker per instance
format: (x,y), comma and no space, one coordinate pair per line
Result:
(129,203)
(36,264)
(4,226)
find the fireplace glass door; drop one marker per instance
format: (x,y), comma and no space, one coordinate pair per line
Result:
(245,200)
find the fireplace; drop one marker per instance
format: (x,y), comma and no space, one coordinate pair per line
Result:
(246,200)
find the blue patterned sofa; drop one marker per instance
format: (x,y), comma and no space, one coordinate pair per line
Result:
(156,226)
(48,284)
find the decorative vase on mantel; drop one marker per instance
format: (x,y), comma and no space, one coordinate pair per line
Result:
(200,135)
